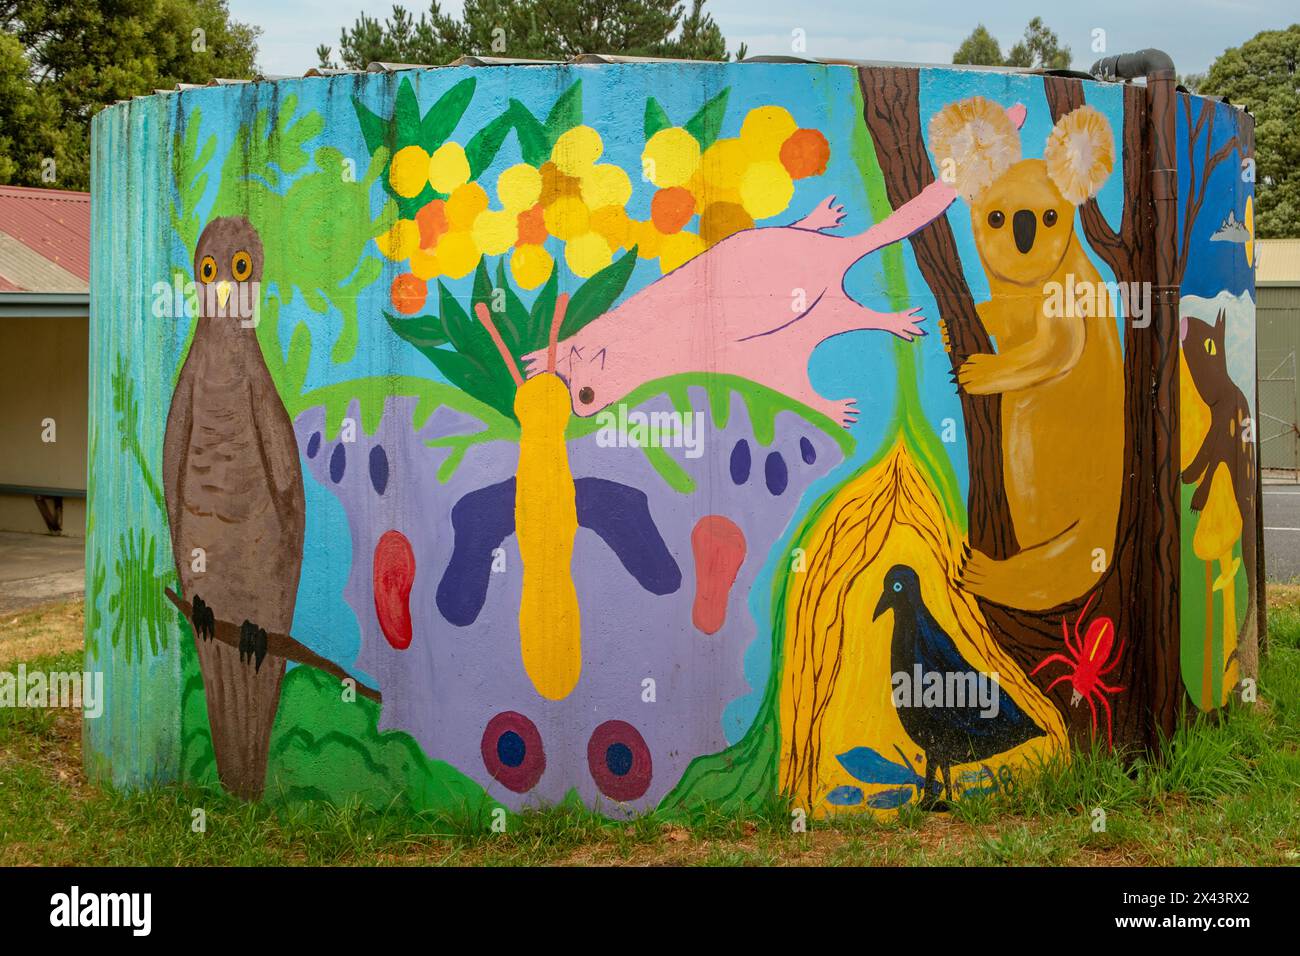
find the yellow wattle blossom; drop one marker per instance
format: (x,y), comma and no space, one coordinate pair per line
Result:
(613,223)
(408,171)
(587,254)
(606,185)
(670,157)
(765,130)
(577,150)
(723,164)
(646,238)
(567,218)
(458,254)
(519,187)
(766,189)
(400,240)
(465,204)
(531,266)
(495,231)
(424,265)
(448,168)
(722,219)
(678,249)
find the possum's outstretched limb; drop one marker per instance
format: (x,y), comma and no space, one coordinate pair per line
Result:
(827,215)
(919,211)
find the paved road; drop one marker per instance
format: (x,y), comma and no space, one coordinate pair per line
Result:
(1282,532)
(36,568)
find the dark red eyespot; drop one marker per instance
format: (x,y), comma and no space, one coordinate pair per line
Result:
(512,751)
(619,760)
(586,395)
(1049,218)
(997,218)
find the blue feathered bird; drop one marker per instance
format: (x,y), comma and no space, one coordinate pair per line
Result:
(952,733)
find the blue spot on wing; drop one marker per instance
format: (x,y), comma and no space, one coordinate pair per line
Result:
(379,469)
(776,474)
(740,462)
(890,799)
(480,521)
(620,515)
(845,796)
(867,765)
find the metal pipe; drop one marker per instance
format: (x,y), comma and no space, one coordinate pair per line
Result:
(1129,66)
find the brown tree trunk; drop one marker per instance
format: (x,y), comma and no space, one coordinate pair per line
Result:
(1139,590)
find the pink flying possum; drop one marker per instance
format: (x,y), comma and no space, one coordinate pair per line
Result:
(755,305)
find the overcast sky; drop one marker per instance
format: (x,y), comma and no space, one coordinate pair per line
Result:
(1193,32)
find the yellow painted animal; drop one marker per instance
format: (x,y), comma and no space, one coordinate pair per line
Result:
(546,523)
(1058,365)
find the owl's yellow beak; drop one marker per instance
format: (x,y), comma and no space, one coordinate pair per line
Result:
(223,293)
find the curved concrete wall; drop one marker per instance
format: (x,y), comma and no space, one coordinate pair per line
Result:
(656,433)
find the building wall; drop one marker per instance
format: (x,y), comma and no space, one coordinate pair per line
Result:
(43,374)
(696,552)
(1279,385)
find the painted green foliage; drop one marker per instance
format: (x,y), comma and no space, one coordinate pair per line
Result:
(286,188)
(454,340)
(473,363)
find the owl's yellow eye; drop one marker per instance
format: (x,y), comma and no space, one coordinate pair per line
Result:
(1209,346)
(241,267)
(208,269)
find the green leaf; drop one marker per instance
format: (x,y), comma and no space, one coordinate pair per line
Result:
(472,378)
(486,143)
(468,336)
(655,118)
(707,123)
(443,116)
(406,115)
(534,146)
(598,294)
(374,128)
(543,312)
(565,114)
(515,316)
(422,331)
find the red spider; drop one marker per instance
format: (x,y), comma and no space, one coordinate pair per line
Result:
(1090,660)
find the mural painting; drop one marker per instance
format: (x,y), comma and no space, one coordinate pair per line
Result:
(1219,452)
(647,435)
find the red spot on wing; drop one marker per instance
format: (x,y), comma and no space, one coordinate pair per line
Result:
(394,574)
(719,547)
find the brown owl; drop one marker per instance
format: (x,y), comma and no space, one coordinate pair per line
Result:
(233,484)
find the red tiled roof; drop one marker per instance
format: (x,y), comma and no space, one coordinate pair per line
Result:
(54,224)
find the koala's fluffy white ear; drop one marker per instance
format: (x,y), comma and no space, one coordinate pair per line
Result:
(1080,154)
(974,142)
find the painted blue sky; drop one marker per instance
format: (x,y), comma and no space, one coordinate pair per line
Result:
(1193,32)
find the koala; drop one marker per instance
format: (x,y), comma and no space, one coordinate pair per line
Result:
(1060,376)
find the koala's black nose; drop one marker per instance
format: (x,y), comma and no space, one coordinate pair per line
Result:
(1023,225)
(586,395)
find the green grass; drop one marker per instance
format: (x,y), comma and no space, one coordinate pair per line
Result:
(1221,792)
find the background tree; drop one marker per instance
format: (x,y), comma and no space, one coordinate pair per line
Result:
(1261,76)
(533,29)
(62,62)
(979,49)
(1039,48)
